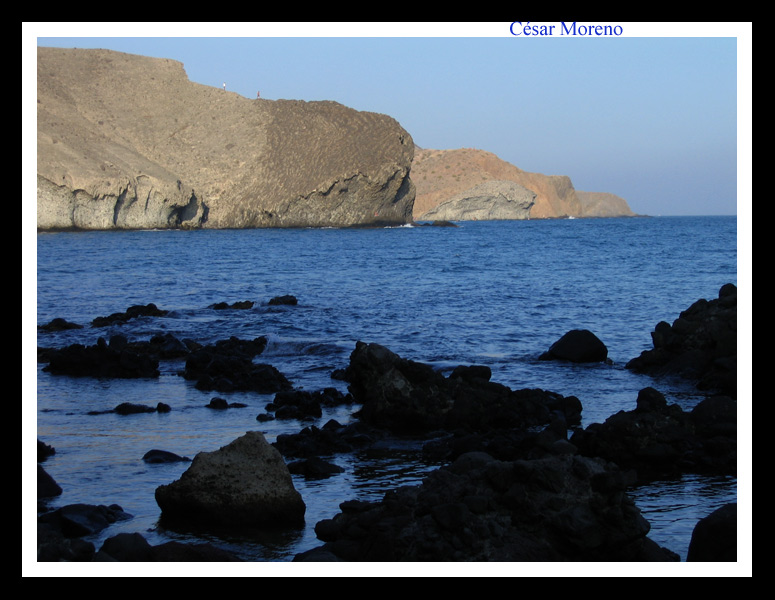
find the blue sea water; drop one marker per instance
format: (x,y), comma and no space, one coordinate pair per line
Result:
(497,293)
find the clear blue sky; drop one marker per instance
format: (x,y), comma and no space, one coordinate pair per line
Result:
(651,119)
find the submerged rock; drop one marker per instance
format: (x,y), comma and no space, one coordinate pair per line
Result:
(133,312)
(59,324)
(163,456)
(243,484)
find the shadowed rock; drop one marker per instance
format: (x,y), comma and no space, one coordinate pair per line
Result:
(243,484)
(700,345)
(579,346)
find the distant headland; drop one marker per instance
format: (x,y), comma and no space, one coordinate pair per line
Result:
(129,142)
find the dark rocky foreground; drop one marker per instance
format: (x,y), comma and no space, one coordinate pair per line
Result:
(516,488)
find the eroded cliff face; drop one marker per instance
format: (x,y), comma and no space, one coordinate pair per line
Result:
(489,201)
(443,175)
(127,141)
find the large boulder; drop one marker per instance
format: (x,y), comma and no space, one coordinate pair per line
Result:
(171,153)
(243,484)
(714,538)
(579,346)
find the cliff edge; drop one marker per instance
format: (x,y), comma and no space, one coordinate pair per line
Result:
(128,142)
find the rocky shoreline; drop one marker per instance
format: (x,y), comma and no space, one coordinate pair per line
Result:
(523,481)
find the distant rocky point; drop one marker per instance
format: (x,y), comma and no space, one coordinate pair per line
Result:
(128,142)
(452,179)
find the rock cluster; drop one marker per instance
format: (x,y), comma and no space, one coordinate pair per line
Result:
(566,508)
(104,359)
(660,440)
(405,396)
(516,488)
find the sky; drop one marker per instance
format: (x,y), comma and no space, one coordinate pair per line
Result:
(659,115)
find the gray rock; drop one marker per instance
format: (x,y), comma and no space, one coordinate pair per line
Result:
(128,142)
(492,200)
(245,483)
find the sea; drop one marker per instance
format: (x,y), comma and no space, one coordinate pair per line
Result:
(495,293)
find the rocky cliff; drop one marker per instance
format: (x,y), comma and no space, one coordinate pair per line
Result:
(442,175)
(603,204)
(128,142)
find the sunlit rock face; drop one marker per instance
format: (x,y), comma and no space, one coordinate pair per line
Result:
(128,142)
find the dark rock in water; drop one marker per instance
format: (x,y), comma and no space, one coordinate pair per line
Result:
(314,468)
(133,312)
(161,407)
(113,360)
(44,451)
(167,346)
(78,520)
(661,440)
(300,404)
(332,438)
(218,404)
(228,366)
(243,484)
(47,487)
(283,300)
(579,346)
(127,547)
(714,538)
(129,408)
(701,345)
(243,305)
(133,547)
(562,508)
(163,456)
(55,547)
(59,324)
(408,397)
(221,404)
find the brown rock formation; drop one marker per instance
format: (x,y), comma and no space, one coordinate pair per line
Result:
(441,175)
(128,141)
